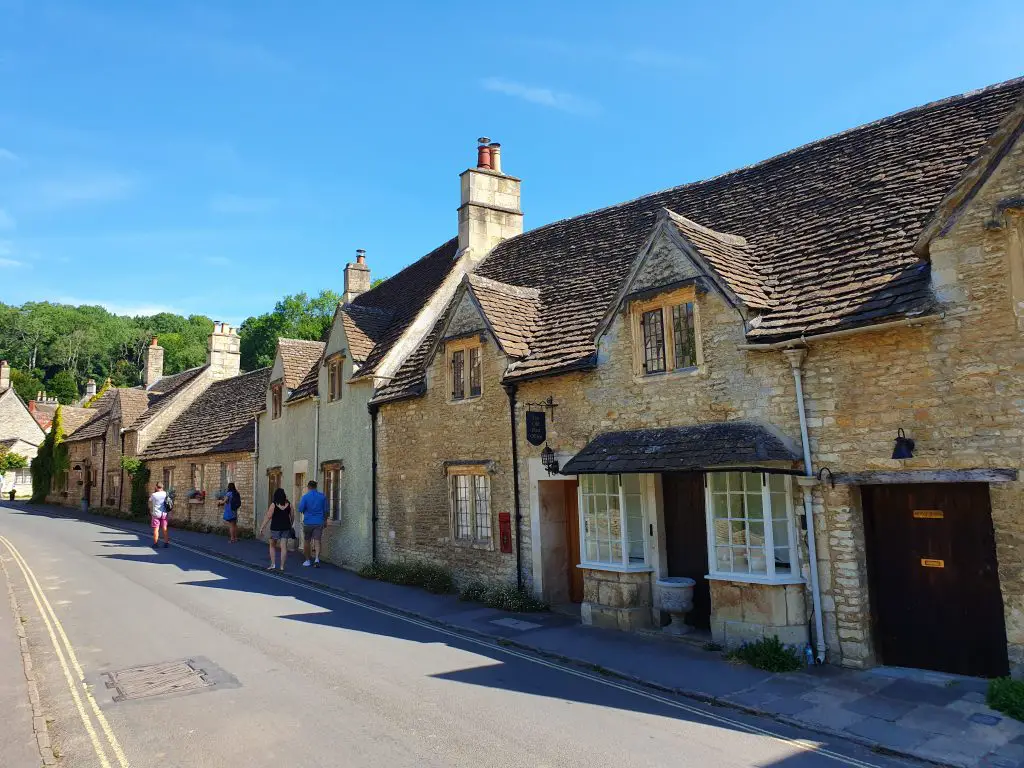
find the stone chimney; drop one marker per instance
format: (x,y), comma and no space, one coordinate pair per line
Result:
(224,352)
(5,376)
(489,212)
(152,364)
(90,388)
(357,277)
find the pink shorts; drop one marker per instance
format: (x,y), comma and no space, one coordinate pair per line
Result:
(158,522)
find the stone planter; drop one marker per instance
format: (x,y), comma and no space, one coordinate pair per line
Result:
(675,597)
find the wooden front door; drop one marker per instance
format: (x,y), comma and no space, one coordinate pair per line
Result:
(935,596)
(686,538)
(572,541)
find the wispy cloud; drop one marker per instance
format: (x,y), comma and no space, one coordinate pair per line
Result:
(119,308)
(7,156)
(229,203)
(218,261)
(546,97)
(6,220)
(78,190)
(5,262)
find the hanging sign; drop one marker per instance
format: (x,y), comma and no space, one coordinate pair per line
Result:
(536,427)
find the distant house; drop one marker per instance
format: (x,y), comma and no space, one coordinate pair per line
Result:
(210,444)
(19,433)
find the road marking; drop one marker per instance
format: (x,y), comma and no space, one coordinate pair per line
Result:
(48,614)
(803,744)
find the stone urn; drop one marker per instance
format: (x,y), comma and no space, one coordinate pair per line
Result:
(675,595)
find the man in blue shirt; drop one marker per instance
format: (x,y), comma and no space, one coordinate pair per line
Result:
(313,508)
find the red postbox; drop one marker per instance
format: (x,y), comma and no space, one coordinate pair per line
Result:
(505,531)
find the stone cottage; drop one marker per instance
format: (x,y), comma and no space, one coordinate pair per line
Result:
(19,434)
(127,420)
(210,444)
(709,383)
(318,424)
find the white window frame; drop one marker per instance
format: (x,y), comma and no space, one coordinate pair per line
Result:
(474,539)
(333,473)
(770,576)
(335,374)
(624,564)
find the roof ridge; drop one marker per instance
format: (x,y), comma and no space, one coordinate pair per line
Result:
(303,341)
(408,266)
(520,291)
(773,158)
(729,239)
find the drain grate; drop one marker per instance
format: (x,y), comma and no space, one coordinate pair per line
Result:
(156,680)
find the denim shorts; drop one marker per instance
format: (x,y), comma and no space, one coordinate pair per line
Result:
(280,535)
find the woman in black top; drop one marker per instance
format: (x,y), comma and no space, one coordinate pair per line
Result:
(281,519)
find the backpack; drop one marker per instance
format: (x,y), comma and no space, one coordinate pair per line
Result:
(168,503)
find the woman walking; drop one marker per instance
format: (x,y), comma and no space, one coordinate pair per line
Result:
(159,511)
(232,501)
(281,519)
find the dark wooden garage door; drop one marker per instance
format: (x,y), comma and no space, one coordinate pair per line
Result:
(935,595)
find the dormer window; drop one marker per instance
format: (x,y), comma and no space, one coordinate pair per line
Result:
(665,331)
(275,401)
(464,369)
(334,374)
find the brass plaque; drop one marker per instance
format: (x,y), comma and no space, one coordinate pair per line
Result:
(932,563)
(928,514)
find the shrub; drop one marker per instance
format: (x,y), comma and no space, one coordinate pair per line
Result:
(433,578)
(504,597)
(139,473)
(1006,696)
(768,654)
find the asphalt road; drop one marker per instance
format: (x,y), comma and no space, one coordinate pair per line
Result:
(301,678)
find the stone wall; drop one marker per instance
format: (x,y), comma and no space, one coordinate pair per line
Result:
(415,439)
(617,600)
(750,612)
(207,512)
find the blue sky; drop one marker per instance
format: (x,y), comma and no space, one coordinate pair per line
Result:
(212,156)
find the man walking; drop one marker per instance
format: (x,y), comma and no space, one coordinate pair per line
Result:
(158,513)
(313,508)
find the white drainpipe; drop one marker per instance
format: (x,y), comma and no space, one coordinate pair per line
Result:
(316,442)
(796,358)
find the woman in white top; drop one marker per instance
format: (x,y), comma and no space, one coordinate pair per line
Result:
(158,515)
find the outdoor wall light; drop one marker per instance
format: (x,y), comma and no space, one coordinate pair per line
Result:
(547,458)
(904,448)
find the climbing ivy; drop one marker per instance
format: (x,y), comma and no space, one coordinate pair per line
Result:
(100,393)
(139,474)
(51,460)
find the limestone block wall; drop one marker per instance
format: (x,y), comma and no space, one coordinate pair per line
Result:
(616,600)
(748,612)
(208,512)
(415,438)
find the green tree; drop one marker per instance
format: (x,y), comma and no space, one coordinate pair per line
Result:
(297,317)
(25,384)
(125,373)
(10,460)
(51,459)
(64,387)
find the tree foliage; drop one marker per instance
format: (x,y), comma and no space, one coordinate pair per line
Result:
(10,460)
(26,384)
(64,387)
(295,317)
(51,459)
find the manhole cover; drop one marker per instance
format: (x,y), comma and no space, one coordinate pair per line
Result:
(156,680)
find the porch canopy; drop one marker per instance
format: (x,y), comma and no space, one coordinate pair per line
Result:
(728,444)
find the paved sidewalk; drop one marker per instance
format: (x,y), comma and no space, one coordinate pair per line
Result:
(931,716)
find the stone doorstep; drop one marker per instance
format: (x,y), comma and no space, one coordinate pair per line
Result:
(959,751)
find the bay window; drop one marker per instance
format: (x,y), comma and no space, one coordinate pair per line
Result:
(612,521)
(750,525)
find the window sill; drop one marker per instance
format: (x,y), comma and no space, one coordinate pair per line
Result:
(616,568)
(473,399)
(485,546)
(750,578)
(680,373)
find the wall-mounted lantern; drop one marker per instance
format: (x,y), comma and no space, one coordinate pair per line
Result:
(547,458)
(904,448)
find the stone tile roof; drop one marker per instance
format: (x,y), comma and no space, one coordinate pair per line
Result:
(298,357)
(309,386)
(171,387)
(364,328)
(674,449)
(221,420)
(403,295)
(131,404)
(98,418)
(510,310)
(729,256)
(829,227)
(74,417)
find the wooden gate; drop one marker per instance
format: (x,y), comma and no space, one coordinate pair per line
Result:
(935,597)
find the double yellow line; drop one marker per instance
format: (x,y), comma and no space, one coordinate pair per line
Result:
(69,662)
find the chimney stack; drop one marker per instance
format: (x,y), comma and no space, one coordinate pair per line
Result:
(5,376)
(224,351)
(357,277)
(489,210)
(152,364)
(90,388)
